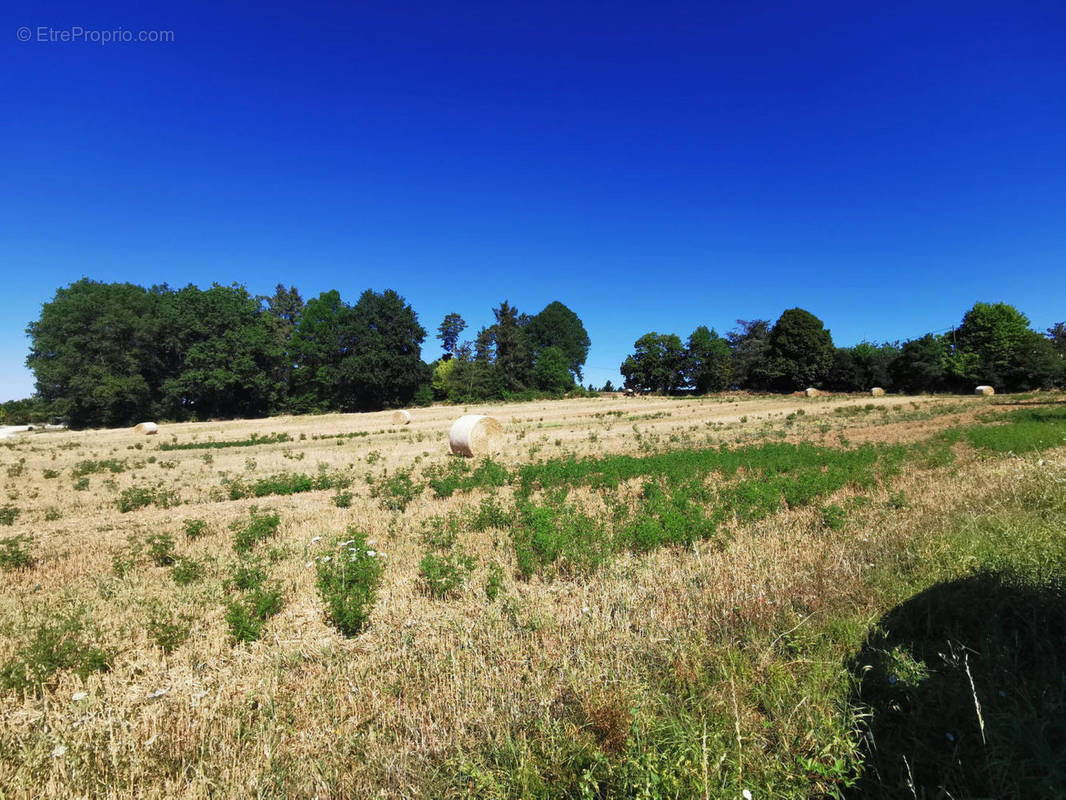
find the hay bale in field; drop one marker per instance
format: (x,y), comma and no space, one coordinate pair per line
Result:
(985,391)
(147,428)
(812,392)
(877,391)
(475,434)
(401,417)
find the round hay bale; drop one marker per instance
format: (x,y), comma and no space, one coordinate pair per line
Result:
(812,392)
(475,434)
(147,428)
(985,391)
(877,391)
(401,417)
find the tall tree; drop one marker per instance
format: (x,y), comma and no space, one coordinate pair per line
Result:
(748,343)
(921,365)
(449,332)
(385,366)
(551,371)
(800,351)
(657,363)
(708,365)
(558,326)
(514,358)
(995,345)
(1057,334)
(93,353)
(227,354)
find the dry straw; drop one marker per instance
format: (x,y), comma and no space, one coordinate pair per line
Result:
(475,434)
(401,417)
(147,428)
(877,391)
(984,391)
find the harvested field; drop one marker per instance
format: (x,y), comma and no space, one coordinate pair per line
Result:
(637,592)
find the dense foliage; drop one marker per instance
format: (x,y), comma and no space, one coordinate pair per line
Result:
(110,354)
(993,345)
(517,356)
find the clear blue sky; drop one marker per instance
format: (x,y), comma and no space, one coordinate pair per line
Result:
(655,166)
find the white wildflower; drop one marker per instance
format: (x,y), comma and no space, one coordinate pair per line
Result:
(79,696)
(59,750)
(371,553)
(310,563)
(158,693)
(325,558)
(316,539)
(746,794)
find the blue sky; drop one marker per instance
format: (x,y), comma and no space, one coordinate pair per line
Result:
(655,166)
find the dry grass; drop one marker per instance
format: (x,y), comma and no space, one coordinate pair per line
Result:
(307,712)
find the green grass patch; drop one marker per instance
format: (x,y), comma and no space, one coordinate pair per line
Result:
(252,441)
(286,483)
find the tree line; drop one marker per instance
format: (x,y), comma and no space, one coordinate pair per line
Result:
(110,354)
(993,345)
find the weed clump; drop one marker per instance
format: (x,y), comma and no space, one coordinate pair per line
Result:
(253,600)
(15,552)
(8,515)
(348,579)
(59,643)
(258,528)
(138,497)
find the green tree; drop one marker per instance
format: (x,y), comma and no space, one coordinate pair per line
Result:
(449,331)
(1057,334)
(921,365)
(384,367)
(93,353)
(224,353)
(657,363)
(995,345)
(558,326)
(318,347)
(708,362)
(514,358)
(361,357)
(799,352)
(748,344)
(551,372)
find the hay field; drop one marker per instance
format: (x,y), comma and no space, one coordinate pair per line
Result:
(480,687)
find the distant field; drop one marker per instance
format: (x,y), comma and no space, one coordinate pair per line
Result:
(636,597)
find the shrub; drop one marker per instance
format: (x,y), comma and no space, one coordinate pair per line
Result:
(245,575)
(55,644)
(15,553)
(195,528)
(161,549)
(258,528)
(247,613)
(348,579)
(342,499)
(494,582)
(834,517)
(138,497)
(186,571)
(8,514)
(166,631)
(397,492)
(445,573)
